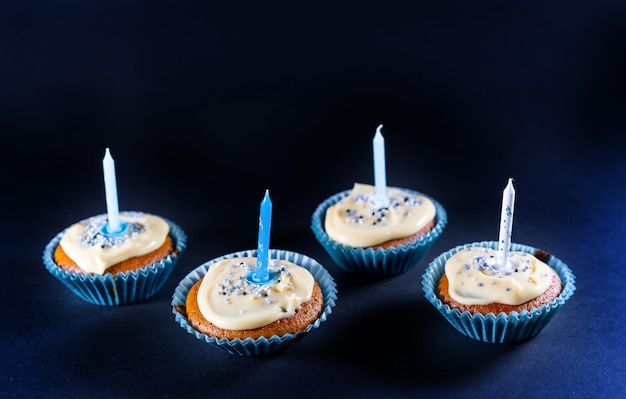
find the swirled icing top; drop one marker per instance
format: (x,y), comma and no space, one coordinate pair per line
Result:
(93,251)
(357,220)
(474,278)
(228,300)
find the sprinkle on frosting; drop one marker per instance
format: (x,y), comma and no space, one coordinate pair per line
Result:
(228,300)
(93,233)
(94,251)
(359,221)
(475,279)
(378,215)
(239,285)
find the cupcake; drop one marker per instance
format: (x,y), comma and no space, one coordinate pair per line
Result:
(363,236)
(219,303)
(498,304)
(128,266)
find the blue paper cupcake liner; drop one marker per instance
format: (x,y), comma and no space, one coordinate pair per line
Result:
(264,345)
(500,328)
(121,288)
(378,262)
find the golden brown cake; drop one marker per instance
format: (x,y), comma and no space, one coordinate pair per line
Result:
(358,221)
(303,316)
(225,304)
(473,283)
(405,240)
(134,263)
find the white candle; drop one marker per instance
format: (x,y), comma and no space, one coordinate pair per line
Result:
(506,224)
(110,188)
(380,176)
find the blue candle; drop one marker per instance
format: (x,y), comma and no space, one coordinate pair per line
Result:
(380,174)
(261,274)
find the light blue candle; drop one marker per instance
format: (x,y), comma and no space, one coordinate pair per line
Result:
(110,187)
(380,174)
(261,273)
(114,226)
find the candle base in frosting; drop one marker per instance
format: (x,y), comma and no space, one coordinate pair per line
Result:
(254,279)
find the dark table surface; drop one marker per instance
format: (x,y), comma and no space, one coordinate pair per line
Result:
(204,105)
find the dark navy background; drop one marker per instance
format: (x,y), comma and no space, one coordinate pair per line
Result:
(205,104)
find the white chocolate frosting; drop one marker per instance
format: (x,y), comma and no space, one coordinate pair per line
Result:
(475,279)
(228,300)
(357,220)
(94,251)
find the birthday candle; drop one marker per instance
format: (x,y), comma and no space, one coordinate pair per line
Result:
(265,221)
(380,177)
(110,187)
(506,224)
